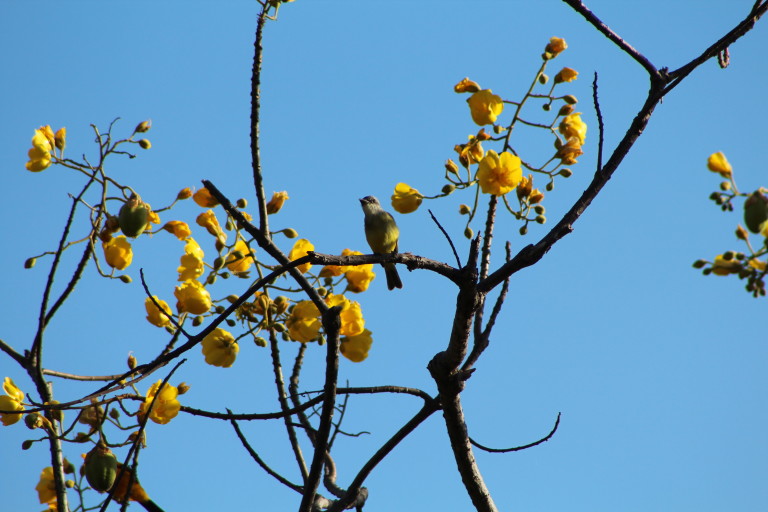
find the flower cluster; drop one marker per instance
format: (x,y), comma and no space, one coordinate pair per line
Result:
(498,172)
(750,265)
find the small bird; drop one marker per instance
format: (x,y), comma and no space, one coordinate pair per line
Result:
(382,235)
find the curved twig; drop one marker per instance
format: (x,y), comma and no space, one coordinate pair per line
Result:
(518,448)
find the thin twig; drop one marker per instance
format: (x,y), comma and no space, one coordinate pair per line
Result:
(445,234)
(600,127)
(518,448)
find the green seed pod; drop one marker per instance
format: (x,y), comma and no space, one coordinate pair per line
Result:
(755,211)
(100,468)
(133,218)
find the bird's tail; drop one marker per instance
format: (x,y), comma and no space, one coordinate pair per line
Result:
(393,278)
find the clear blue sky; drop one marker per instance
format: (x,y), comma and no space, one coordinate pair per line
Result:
(659,372)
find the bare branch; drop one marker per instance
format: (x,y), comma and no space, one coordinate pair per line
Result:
(582,9)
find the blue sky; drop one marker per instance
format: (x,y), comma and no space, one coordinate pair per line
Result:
(658,371)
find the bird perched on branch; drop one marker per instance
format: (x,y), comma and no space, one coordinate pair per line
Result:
(382,235)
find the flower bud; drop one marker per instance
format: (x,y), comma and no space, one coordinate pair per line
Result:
(100,468)
(546,107)
(60,138)
(183,388)
(464,209)
(184,193)
(466,85)
(565,110)
(543,78)
(468,232)
(198,320)
(448,189)
(482,135)
(539,209)
(725,186)
(565,173)
(570,99)
(279,327)
(523,230)
(131,361)
(550,186)
(231,322)
(143,126)
(281,303)
(145,144)
(69,484)
(259,341)
(755,211)
(290,233)
(114,414)
(741,233)
(69,468)
(133,218)
(241,203)
(126,279)
(451,167)
(322,291)
(497,129)
(26,445)
(30,262)
(540,219)
(33,420)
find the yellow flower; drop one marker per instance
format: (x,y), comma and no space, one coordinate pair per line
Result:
(406,199)
(40,154)
(154,315)
(466,85)
(758,265)
(359,277)
(166,406)
(204,198)
(300,249)
(276,203)
(208,220)
(154,218)
(47,132)
(192,297)
(243,263)
(498,174)
(555,47)
(178,228)
(192,265)
(352,322)
(220,348)
(46,487)
(11,401)
(570,151)
(304,322)
(723,267)
(485,107)
(118,252)
(566,75)
(719,164)
(332,270)
(355,348)
(573,126)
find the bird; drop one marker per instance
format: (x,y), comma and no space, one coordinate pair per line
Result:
(382,235)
